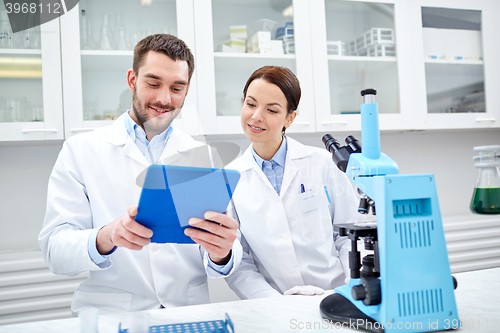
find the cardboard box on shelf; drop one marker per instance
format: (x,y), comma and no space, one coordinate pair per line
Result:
(238,31)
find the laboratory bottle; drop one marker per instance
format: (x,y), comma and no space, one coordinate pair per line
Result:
(486,195)
(31,39)
(6,34)
(122,40)
(31,36)
(86,39)
(105,41)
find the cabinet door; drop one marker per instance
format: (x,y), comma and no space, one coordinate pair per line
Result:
(30,82)
(98,38)
(228,62)
(457,42)
(362,44)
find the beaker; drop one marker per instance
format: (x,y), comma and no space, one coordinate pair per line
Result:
(14,109)
(7,38)
(486,195)
(31,39)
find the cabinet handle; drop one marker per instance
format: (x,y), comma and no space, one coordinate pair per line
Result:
(304,123)
(39,130)
(339,122)
(82,129)
(480,120)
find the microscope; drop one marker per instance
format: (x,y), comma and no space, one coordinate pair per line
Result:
(406,284)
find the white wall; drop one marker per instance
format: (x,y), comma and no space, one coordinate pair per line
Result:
(25,168)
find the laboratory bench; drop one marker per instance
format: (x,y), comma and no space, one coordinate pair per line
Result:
(477,298)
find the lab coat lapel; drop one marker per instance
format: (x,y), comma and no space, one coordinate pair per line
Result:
(248,160)
(119,137)
(274,231)
(295,150)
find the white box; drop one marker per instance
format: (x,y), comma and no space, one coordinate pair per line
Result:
(263,51)
(228,49)
(452,43)
(277,47)
(238,44)
(261,40)
(238,31)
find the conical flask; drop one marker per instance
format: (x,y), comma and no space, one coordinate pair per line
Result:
(105,41)
(486,195)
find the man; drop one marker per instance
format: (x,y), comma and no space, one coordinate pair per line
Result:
(92,197)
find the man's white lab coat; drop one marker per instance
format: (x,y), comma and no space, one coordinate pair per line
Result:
(92,184)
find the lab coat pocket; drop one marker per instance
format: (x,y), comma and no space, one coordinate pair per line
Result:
(198,295)
(314,217)
(105,302)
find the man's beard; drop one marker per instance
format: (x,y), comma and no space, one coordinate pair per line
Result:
(158,124)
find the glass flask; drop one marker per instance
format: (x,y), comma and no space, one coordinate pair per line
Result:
(122,40)
(7,38)
(105,41)
(87,41)
(31,39)
(14,108)
(486,196)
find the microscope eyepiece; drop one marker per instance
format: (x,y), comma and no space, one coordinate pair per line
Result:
(368,91)
(368,96)
(353,143)
(331,144)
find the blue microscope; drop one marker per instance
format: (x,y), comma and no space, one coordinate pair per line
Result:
(406,284)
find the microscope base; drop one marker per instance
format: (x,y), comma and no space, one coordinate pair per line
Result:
(339,309)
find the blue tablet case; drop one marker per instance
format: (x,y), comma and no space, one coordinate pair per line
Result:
(171,195)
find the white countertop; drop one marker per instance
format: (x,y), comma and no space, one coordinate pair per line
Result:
(477,296)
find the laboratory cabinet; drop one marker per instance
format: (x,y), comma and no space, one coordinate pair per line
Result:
(441,71)
(434,63)
(97,40)
(358,45)
(277,33)
(30,82)
(457,82)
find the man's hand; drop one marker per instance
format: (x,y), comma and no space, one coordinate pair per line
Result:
(220,237)
(123,232)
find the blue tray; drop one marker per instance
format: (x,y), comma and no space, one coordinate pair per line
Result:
(216,326)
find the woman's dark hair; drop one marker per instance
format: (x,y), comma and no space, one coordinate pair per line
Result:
(284,79)
(169,45)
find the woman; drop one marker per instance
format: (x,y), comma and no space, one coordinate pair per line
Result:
(287,198)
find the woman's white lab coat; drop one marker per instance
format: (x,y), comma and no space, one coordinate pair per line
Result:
(92,184)
(288,239)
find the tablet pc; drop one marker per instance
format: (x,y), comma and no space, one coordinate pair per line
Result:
(171,195)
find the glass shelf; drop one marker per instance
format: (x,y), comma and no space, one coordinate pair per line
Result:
(105,92)
(233,69)
(455,76)
(361,48)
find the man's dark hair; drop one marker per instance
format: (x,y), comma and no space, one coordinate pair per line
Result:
(169,45)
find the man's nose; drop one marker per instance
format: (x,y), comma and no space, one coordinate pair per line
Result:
(164,97)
